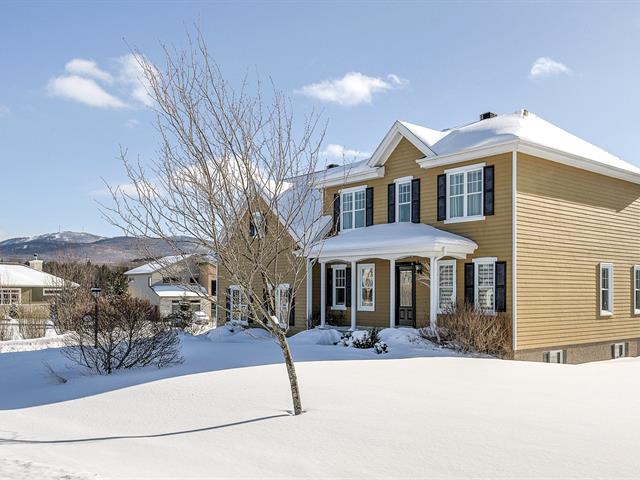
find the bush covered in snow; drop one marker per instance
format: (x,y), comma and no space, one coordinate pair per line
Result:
(366,338)
(126,334)
(469,329)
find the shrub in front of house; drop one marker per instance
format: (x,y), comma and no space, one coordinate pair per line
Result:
(466,328)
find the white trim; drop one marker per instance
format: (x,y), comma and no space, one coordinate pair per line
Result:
(351,189)
(476,268)
(397,183)
(485,260)
(11,291)
(334,268)
(323,294)
(362,308)
(391,141)
(465,194)
(392,293)
(608,266)
(443,263)
(466,168)
(345,178)
(466,155)
(636,306)
(473,218)
(353,295)
(514,249)
(309,291)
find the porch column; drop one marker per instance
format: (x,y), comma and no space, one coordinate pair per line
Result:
(433,293)
(354,307)
(309,290)
(392,293)
(323,294)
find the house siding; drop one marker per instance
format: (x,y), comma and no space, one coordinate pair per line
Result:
(568,221)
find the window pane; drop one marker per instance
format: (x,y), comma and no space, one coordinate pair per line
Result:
(404,192)
(359,199)
(486,286)
(474,181)
(605,300)
(456,207)
(474,204)
(340,296)
(406,290)
(456,184)
(404,212)
(347,202)
(346,221)
(367,285)
(359,221)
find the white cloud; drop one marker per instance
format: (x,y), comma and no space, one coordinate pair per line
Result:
(4,110)
(337,152)
(353,89)
(132,75)
(546,67)
(87,68)
(83,90)
(131,123)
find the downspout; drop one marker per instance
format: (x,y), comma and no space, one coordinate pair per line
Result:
(514,248)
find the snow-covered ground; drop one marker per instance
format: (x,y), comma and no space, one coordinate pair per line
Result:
(417,412)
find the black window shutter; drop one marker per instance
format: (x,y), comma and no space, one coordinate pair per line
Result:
(415,200)
(336,212)
(369,206)
(329,290)
(469,283)
(347,290)
(252,228)
(228,305)
(292,308)
(501,286)
(488,190)
(442,197)
(391,203)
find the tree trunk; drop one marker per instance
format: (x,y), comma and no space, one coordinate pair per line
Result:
(291,371)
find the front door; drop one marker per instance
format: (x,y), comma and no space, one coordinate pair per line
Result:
(406,296)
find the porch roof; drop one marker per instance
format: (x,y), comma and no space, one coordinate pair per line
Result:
(392,241)
(169,290)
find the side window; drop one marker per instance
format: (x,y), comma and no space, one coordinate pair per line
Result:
(606,289)
(403,203)
(485,286)
(446,285)
(339,273)
(366,286)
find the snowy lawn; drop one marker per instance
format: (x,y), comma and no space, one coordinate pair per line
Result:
(417,412)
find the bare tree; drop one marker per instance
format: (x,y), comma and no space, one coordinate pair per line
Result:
(234,173)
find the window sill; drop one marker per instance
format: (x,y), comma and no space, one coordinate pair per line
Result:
(338,307)
(606,314)
(366,309)
(636,312)
(475,218)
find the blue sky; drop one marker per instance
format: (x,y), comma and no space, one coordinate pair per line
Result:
(63,118)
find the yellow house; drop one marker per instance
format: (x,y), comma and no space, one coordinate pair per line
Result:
(509,213)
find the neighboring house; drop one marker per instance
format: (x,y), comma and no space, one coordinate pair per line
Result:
(28,285)
(171,281)
(510,213)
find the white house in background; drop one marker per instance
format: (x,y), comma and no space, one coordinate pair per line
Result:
(28,285)
(171,281)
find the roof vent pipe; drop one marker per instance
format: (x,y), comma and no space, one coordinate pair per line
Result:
(332,165)
(487,115)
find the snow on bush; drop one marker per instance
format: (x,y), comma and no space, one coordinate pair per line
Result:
(316,336)
(400,336)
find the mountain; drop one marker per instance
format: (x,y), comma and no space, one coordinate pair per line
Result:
(86,246)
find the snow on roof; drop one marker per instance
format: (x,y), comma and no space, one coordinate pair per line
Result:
(523,126)
(16,275)
(166,290)
(156,265)
(392,240)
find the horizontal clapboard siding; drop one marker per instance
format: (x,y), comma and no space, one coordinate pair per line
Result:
(570,220)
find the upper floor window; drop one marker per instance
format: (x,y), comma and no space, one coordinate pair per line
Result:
(403,203)
(606,289)
(353,209)
(465,188)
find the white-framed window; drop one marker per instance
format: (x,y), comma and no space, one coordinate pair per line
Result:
(554,356)
(10,296)
(51,292)
(403,199)
(366,287)
(636,289)
(446,285)
(485,284)
(353,206)
(606,289)
(465,193)
(257,220)
(619,350)
(238,304)
(339,273)
(282,303)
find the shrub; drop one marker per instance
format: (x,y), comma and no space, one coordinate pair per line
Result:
(32,328)
(469,329)
(4,329)
(367,340)
(129,334)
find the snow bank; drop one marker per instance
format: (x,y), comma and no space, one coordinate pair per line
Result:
(316,336)
(52,341)
(402,336)
(16,469)
(235,334)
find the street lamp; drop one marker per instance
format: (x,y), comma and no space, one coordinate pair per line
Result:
(95,293)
